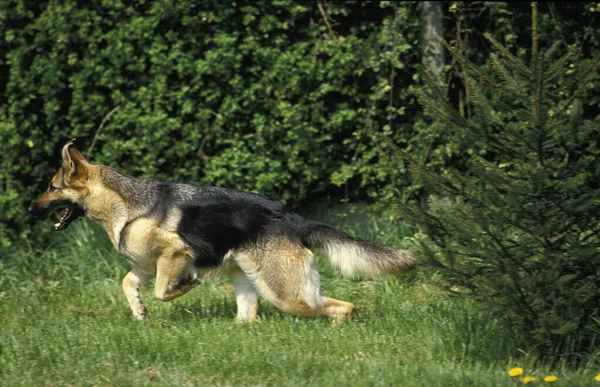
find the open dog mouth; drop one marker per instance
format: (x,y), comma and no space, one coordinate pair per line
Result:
(67,214)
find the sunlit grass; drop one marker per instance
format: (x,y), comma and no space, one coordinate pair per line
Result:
(64,320)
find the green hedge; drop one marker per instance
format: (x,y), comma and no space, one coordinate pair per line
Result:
(283,98)
(258,96)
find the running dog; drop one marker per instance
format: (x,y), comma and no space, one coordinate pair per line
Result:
(179,233)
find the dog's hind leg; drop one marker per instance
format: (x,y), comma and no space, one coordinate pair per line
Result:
(285,274)
(337,309)
(246,296)
(175,275)
(131,287)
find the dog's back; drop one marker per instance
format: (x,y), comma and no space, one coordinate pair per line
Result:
(217,220)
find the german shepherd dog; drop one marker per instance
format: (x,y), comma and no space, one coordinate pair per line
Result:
(179,233)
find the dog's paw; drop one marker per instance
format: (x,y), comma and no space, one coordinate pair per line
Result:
(342,317)
(141,313)
(186,283)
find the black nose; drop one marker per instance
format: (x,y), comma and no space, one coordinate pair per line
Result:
(34,210)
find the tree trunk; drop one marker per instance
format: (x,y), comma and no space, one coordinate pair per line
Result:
(431,36)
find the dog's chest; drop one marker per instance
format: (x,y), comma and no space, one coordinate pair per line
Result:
(140,260)
(141,243)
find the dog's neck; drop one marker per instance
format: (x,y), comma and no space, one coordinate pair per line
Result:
(112,201)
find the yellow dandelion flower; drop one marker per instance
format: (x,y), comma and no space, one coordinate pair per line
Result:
(528,379)
(515,371)
(550,379)
(597,378)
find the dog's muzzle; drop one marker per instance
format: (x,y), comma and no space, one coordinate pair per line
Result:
(36,211)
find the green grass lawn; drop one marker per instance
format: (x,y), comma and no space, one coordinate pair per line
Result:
(65,321)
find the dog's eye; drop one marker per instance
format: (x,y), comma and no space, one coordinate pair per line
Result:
(51,188)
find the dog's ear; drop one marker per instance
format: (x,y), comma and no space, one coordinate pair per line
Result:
(74,165)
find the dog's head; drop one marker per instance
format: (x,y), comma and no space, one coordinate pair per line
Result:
(66,189)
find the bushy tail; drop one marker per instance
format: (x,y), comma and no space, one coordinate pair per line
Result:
(355,255)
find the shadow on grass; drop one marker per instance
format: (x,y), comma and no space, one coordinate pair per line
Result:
(226,310)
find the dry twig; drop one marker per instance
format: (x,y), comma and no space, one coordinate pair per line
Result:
(89,152)
(326,20)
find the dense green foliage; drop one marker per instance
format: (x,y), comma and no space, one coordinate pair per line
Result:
(255,96)
(519,227)
(282,98)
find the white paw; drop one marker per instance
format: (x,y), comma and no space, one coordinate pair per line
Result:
(141,313)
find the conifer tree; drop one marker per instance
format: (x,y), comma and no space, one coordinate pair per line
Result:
(519,227)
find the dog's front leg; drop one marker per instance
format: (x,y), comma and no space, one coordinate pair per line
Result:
(175,275)
(131,286)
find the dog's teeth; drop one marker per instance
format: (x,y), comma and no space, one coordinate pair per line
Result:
(56,225)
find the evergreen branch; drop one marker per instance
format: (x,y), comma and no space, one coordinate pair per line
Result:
(582,80)
(504,52)
(428,150)
(557,23)
(525,77)
(481,103)
(523,298)
(421,171)
(559,64)
(430,217)
(469,254)
(476,97)
(524,115)
(537,99)
(433,85)
(398,151)
(534,32)
(498,242)
(424,173)
(510,83)
(468,63)
(441,115)
(492,170)
(550,52)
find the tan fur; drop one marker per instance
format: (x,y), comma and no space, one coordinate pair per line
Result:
(284,273)
(281,270)
(131,287)
(63,189)
(153,249)
(354,260)
(105,206)
(172,267)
